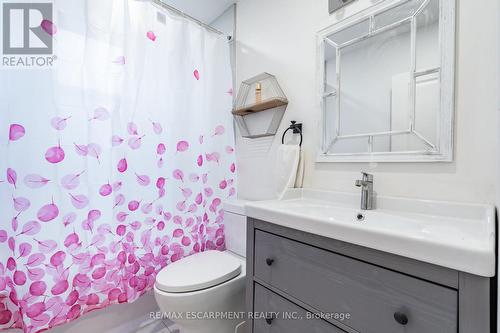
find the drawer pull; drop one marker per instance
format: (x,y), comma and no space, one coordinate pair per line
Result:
(401,318)
(269,320)
(269,261)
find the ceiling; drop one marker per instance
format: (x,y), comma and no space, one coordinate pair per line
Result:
(204,10)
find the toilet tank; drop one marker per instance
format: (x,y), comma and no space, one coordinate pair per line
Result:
(235,226)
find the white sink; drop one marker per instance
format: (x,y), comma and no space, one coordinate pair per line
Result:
(460,236)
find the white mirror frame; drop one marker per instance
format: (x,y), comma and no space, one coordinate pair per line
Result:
(442,151)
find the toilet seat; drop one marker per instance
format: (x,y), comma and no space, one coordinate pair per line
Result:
(198,271)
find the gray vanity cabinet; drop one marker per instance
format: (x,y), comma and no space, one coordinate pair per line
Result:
(300,282)
(269,303)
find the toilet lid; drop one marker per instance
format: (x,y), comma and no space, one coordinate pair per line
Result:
(198,271)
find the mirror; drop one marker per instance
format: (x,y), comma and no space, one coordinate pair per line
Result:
(387,84)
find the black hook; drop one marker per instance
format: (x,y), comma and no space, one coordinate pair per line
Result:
(296,129)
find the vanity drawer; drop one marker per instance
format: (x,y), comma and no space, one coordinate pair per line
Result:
(378,300)
(268,302)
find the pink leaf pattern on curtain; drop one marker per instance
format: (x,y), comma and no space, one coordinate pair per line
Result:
(113,172)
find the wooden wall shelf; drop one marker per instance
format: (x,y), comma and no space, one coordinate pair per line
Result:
(259,107)
(257,94)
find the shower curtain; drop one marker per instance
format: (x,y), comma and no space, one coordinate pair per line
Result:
(114,163)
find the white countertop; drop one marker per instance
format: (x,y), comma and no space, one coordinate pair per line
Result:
(460,236)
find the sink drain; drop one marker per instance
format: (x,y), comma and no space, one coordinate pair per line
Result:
(360,217)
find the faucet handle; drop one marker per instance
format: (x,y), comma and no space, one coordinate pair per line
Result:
(367,177)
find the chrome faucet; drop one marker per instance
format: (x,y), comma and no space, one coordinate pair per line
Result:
(366,185)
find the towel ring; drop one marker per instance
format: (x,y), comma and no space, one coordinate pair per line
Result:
(296,128)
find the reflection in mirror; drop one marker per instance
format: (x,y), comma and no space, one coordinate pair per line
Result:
(367,69)
(330,63)
(424,134)
(427,37)
(382,89)
(400,12)
(355,31)
(351,145)
(330,102)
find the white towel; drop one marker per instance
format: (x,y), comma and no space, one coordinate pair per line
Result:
(299,181)
(288,169)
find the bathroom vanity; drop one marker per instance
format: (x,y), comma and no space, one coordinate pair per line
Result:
(410,266)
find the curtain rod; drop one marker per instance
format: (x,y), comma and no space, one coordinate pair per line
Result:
(189,17)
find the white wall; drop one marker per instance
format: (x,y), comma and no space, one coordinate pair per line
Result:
(279,37)
(205,11)
(226,22)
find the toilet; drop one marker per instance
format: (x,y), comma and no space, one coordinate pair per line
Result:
(195,291)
